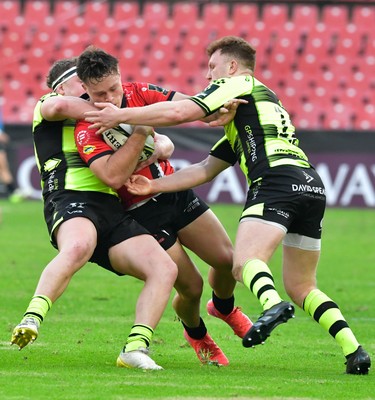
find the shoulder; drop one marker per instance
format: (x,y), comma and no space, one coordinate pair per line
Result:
(49,96)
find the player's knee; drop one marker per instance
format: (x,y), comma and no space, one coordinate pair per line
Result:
(237,272)
(224,261)
(79,252)
(298,293)
(166,270)
(191,291)
(227,256)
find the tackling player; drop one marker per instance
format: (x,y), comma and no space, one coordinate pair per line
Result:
(86,221)
(286,198)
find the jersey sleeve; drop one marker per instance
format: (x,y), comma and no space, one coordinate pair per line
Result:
(90,145)
(223,151)
(222,90)
(141,94)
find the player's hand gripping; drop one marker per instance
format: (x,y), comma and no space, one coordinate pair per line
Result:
(103,119)
(139,185)
(227,112)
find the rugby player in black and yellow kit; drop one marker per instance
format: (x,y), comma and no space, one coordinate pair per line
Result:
(286,198)
(86,221)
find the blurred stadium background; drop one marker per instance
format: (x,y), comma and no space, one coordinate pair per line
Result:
(319,56)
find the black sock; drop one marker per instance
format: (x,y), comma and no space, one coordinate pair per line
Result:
(198,332)
(225,306)
(11,187)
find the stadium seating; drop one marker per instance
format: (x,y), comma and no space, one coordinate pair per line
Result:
(96,11)
(184,12)
(318,58)
(245,14)
(215,15)
(125,13)
(335,17)
(363,17)
(274,15)
(9,12)
(305,18)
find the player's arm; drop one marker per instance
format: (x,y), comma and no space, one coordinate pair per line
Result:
(164,147)
(225,114)
(116,168)
(185,178)
(159,114)
(58,108)
(163,150)
(167,113)
(222,116)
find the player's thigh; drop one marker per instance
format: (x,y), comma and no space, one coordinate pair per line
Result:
(189,282)
(256,239)
(207,238)
(78,237)
(141,256)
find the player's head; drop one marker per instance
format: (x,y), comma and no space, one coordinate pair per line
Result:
(62,78)
(100,75)
(229,56)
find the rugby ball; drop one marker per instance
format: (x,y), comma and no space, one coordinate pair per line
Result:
(116,137)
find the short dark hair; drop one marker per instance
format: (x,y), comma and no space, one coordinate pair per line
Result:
(58,68)
(95,64)
(234,46)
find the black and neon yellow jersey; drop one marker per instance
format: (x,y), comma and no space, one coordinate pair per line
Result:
(261,134)
(59,163)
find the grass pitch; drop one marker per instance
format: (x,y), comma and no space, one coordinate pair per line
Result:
(74,356)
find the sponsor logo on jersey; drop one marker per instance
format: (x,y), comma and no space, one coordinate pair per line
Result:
(307,188)
(88,149)
(76,208)
(52,183)
(51,164)
(282,213)
(82,137)
(308,177)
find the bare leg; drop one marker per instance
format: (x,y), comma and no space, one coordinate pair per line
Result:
(76,240)
(189,286)
(207,238)
(143,258)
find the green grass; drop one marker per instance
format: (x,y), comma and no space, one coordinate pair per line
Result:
(74,356)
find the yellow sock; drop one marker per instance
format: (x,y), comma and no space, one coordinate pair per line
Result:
(258,278)
(38,307)
(140,336)
(327,313)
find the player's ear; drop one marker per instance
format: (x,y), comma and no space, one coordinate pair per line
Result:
(233,66)
(60,89)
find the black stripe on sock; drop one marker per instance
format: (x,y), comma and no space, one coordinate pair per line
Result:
(264,289)
(34,314)
(323,308)
(141,337)
(143,326)
(258,276)
(337,326)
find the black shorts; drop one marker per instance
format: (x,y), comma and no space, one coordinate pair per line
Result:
(290,196)
(112,223)
(164,215)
